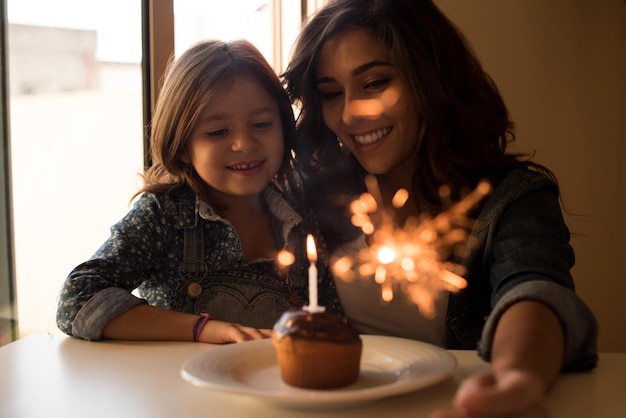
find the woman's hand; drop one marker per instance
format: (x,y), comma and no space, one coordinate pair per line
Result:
(527,354)
(220,332)
(510,393)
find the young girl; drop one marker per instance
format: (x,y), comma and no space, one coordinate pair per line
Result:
(390,88)
(201,241)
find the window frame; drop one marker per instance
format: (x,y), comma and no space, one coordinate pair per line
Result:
(8,296)
(157,50)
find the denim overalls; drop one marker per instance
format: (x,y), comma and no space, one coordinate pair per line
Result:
(255,294)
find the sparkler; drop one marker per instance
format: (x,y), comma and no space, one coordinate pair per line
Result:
(413,257)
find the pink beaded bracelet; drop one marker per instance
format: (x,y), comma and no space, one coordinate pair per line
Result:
(199,325)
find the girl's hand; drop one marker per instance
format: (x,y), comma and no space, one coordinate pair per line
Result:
(511,393)
(220,332)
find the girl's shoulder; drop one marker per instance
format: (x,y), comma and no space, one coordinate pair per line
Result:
(179,206)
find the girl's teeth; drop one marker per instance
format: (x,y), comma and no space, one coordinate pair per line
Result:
(245,166)
(371,137)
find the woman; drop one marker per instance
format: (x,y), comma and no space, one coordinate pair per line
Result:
(390,88)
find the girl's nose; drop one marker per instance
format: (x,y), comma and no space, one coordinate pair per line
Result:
(244,142)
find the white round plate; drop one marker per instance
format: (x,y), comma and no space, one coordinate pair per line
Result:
(389,366)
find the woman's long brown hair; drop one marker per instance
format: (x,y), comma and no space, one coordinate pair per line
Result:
(467,125)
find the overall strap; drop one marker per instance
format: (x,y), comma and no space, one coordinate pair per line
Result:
(193,269)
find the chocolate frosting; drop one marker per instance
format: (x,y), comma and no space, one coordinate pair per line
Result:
(321,326)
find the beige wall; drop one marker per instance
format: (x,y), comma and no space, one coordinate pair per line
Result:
(561,67)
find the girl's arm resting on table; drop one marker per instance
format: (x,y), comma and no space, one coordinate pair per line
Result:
(149,323)
(115,313)
(86,319)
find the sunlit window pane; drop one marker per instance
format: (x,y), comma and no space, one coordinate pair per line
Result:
(201,19)
(271,25)
(76,137)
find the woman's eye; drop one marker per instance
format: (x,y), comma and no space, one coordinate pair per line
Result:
(330,95)
(378,83)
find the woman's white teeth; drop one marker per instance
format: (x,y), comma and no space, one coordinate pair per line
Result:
(247,166)
(372,136)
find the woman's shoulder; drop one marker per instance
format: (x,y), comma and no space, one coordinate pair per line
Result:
(524,179)
(518,183)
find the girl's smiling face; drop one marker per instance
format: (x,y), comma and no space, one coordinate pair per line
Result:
(366,103)
(237,145)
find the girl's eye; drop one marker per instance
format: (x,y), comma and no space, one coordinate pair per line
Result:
(263,125)
(216,133)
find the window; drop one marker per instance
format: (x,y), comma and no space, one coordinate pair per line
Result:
(76,130)
(270,25)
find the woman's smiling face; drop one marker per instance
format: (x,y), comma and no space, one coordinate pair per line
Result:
(366,103)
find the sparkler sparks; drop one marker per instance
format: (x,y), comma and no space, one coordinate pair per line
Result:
(414,257)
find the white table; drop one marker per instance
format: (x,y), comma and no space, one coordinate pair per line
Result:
(51,376)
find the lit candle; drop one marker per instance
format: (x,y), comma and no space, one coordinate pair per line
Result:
(311,253)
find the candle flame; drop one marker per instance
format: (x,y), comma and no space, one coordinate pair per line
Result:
(311,252)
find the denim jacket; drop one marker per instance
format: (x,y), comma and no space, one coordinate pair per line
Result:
(179,254)
(519,250)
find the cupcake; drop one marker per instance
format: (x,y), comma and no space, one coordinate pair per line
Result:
(316,350)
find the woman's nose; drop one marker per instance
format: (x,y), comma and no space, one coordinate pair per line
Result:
(357,108)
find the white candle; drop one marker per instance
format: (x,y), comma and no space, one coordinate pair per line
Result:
(311,253)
